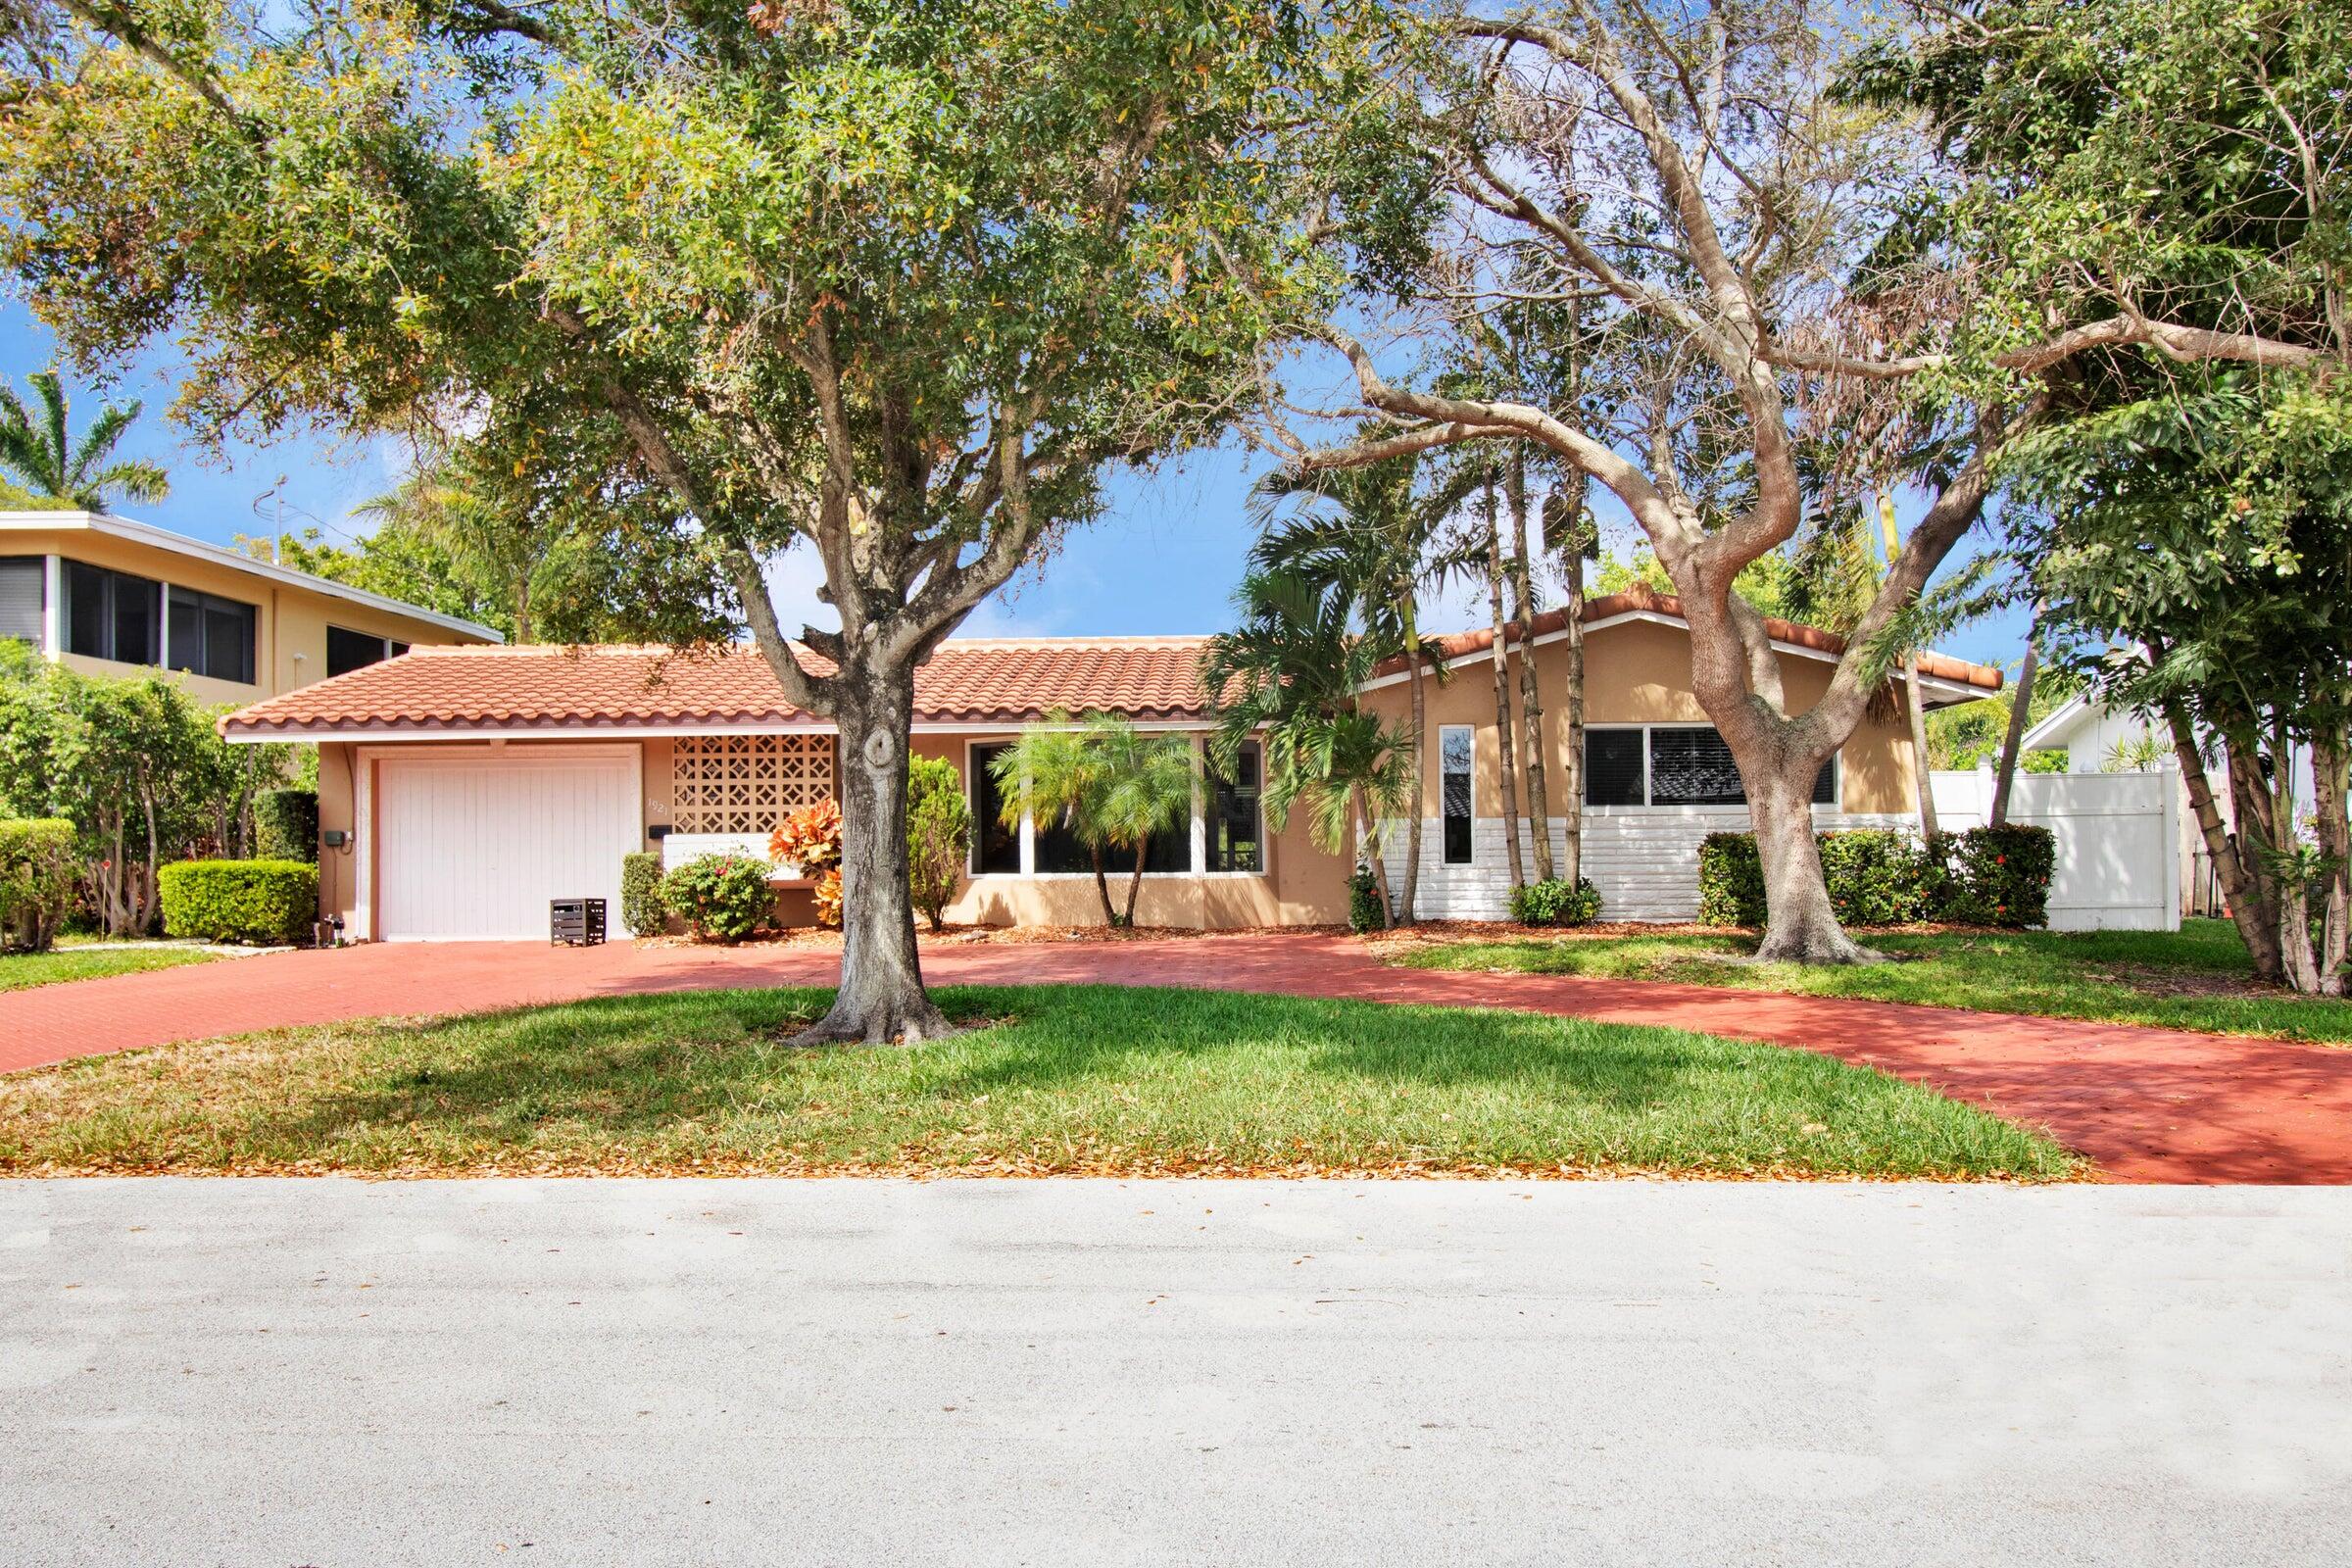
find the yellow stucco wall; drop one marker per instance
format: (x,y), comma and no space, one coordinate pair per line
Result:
(1639,673)
(289,629)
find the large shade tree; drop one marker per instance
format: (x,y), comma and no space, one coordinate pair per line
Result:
(1747,242)
(892,284)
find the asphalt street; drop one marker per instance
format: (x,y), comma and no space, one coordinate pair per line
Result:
(350,1375)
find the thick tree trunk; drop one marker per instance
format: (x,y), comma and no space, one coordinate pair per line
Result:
(882,996)
(2014,738)
(1509,803)
(1803,926)
(2332,777)
(1530,694)
(2250,906)
(1409,893)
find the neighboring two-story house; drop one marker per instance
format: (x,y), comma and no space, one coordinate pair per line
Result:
(109,596)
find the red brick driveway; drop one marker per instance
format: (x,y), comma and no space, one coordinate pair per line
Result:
(2148,1105)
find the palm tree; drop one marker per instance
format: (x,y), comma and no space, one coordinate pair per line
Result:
(498,540)
(1111,784)
(1288,675)
(42,455)
(1367,549)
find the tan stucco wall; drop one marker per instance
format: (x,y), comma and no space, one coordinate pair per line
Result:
(1302,885)
(292,621)
(1636,672)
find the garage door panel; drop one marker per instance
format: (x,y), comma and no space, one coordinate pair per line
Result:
(474,849)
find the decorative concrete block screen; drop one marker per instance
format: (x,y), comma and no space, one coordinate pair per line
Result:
(746,783)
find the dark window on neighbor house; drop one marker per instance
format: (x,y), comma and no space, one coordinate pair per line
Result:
(1455,754)
(24,597)
(1236,836)
(995,848)
(208,635)
(112,614)
(346,651)
(1615,774)
(1054,846)
(1673,764)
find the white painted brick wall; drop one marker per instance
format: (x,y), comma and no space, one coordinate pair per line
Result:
(1646,863)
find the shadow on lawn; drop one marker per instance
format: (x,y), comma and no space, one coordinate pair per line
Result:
(638,1067)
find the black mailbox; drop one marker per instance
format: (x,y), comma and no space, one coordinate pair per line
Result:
(575,922)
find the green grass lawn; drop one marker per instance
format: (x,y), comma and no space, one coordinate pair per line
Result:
(88,961)
(2194,978)
(1092,1080)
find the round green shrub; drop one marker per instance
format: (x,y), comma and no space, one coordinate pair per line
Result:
(1363,902)
(721,897)
(257,901)
(37,881)
(1555,903)
(1731,880)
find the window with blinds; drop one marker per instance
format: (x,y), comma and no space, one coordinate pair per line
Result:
(24,598)
(1674,765)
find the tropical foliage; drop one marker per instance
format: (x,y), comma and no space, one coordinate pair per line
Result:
(137,767)
(1289,675)
(721,897)
(1112,786)
(37,448)
(939,834)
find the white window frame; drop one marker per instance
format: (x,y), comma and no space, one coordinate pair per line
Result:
(1837,762)
(1196,838)
(1470,730)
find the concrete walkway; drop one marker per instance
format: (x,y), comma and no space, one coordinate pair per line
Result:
(640,1374)
(2148,1105)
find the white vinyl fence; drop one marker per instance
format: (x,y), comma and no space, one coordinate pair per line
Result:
(2119,841)
(2118,845)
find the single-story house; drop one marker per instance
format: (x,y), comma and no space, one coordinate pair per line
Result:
(463,788)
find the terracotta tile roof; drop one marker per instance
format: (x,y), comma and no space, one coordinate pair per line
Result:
(1640,600)
(974,680)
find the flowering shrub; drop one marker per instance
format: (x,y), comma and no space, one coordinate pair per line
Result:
(810,839)
(1363,902)
(723,898)
(2002,875)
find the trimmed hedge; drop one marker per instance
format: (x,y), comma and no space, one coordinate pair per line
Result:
(2003,876)
(37,881)
(285,825)
(641,907)
(1987,876)
(257,901)
(1556,903)
(1731,880)
(723,898)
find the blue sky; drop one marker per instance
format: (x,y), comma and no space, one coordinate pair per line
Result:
(1165,559)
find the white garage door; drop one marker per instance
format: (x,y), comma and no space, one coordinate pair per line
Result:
(472,847)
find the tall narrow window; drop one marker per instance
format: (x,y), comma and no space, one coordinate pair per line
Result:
(996,847)
(24,598)
(112,614)
(1455,752)
(208,635)
(1236,841)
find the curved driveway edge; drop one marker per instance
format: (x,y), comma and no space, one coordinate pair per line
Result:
(2148,1105)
